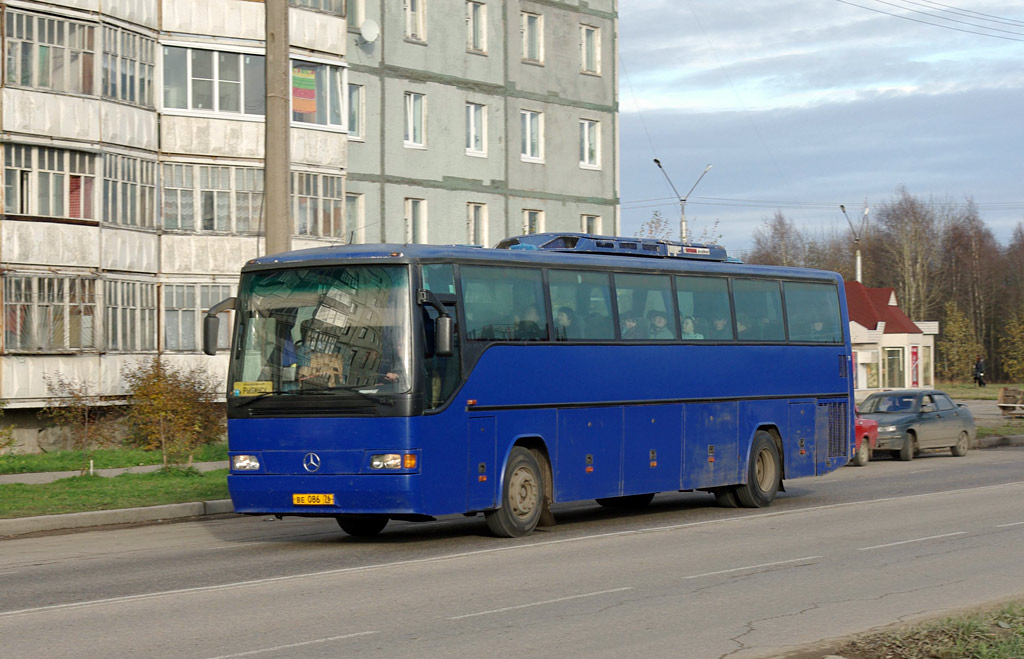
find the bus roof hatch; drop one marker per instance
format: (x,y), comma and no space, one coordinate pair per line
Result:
(587,244)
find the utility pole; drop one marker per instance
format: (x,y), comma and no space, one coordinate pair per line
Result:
(682,199)
(857,233)
(276,140)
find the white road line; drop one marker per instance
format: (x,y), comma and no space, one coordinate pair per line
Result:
(753,567)
(739,518)
(1003,526)
(904,542)
(292,645)
(554,601)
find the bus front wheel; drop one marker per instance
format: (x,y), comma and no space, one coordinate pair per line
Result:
(763,474)
(362,526)
(522,497)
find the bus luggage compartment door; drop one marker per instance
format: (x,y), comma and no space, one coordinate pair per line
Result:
(710,445)
(798,446)
(484,475)
(652,452)
(589,463)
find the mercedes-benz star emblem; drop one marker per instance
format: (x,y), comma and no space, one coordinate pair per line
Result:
(311,462)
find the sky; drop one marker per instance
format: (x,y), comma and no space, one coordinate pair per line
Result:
(802,105)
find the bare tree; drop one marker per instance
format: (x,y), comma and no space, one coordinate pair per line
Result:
(911,247)
(778,241)
(656,227)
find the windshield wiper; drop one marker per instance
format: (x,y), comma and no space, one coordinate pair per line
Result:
(354,388)
(264,394)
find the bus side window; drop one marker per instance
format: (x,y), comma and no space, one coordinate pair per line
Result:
(812,311)
(497,299)
(648,299)
(706,300)
(758,310)
(580,305)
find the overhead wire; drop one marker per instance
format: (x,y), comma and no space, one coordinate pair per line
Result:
(940,25)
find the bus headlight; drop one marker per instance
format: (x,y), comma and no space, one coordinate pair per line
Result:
(386,461)
(245,462)
(393,461)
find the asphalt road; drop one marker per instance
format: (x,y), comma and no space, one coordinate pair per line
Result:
(857,549)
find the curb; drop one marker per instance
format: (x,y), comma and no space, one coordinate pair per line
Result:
(25,525)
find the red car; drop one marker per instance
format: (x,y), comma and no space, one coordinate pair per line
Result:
(865,440)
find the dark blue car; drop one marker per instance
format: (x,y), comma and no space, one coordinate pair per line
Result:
(912,420)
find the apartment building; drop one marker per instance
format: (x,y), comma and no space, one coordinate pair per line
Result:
(132,136)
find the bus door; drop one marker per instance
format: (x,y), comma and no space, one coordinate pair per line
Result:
(652,449)
(710,445)
(484,473)
(589,461)
(798,445)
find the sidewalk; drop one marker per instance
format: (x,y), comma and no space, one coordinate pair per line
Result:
(24,525)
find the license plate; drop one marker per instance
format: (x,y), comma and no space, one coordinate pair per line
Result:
(313,499)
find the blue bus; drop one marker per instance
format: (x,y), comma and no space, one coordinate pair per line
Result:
(382,381)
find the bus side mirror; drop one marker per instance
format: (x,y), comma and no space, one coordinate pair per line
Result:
(211,325)
(443,336)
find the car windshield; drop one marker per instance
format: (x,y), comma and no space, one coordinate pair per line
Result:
(333,329)
(889,403)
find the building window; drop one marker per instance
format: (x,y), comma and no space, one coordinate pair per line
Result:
(49,182)
(49,53)
(533,221)
(225,199)
(476,129)
(44,314)
(414,119)
(415,220)
(355,111)
(129,66)
(318,204)
(355,225)
(590,49)
(214,81)
(533,37)
(129,190)
(533,135)
(317,93)
(130,315)
(590,140)
(476,27)
(590,224)
(336,7)
(476,224)
(182,314)
(416,20)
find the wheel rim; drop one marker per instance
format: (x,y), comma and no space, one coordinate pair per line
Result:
(522,492)
(764,470)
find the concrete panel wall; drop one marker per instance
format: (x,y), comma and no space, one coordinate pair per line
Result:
(48,244)
(131,251)
(209,136)
(53,115)
(203,254)
(128,126)
(226,18)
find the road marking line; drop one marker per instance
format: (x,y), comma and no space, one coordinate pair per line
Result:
(903,542)
(1003,526)
(739,518)
(293,645)
(753,567)
(554,601)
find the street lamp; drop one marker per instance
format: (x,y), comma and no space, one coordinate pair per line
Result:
(857,234)
(682,199)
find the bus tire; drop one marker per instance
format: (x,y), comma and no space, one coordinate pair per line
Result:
(629,501)
(764,473)
(522,497)
(907,450)
(362,526)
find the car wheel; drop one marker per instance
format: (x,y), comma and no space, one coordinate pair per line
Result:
(960,448)
(862,456)
(909,447)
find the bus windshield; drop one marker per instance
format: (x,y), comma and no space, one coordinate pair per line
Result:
(323,330)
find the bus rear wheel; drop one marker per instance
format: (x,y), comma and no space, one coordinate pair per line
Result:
(362,526)
(629,501)
(522,497)
(764,473)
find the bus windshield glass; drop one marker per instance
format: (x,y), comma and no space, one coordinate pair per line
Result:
(323,330)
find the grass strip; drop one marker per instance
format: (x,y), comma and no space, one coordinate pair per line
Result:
(103,458)
(989,634)
(84,493)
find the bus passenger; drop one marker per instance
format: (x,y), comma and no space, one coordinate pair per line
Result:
(566,326)
(631,328)
(690,329)
(659,326)
(720,328)
(527,327)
